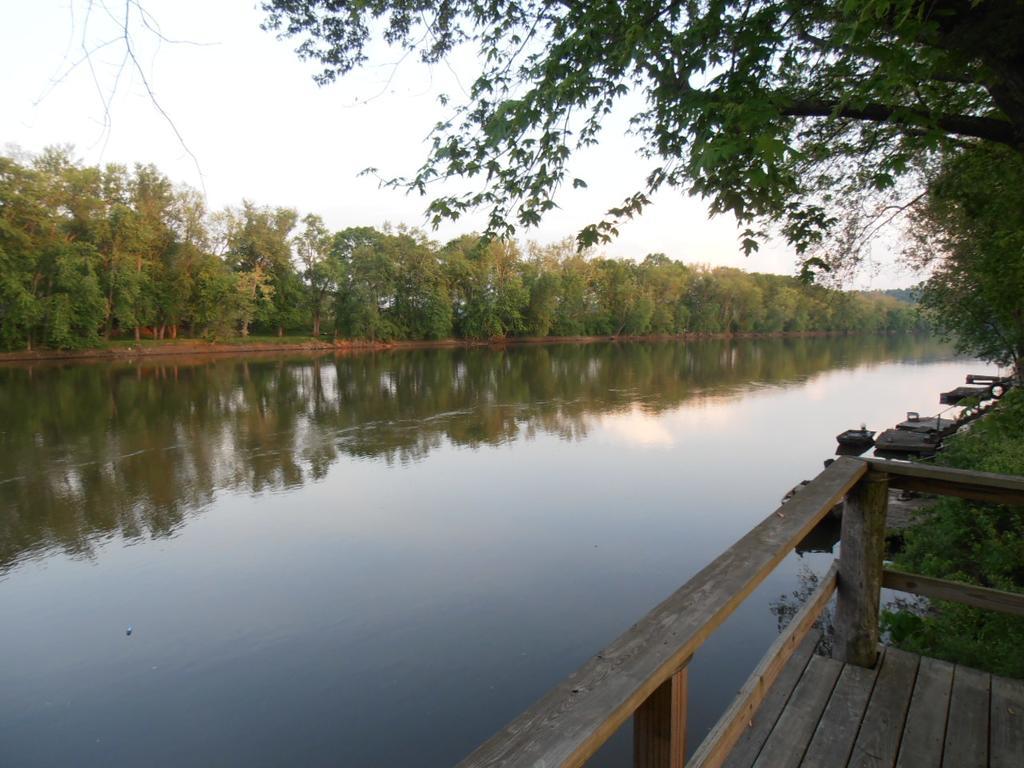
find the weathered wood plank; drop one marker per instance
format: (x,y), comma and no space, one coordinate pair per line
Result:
(659,726)
(968,484)
(571,722)
(925,729)
(860,571)
(878,740)
(935,424)
(1007,725)
(833,739)
(796,725)
(954,396)
(730,727)
(977,378)
(760,725)
(967,728)
(903,441)
(954,591)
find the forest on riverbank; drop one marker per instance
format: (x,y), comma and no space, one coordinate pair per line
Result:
(92,253)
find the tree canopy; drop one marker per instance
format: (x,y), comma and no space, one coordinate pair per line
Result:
(972,226)
(777,111)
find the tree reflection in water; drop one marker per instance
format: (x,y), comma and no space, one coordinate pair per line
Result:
(90,451)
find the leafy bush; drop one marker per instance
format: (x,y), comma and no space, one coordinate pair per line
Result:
(980,544)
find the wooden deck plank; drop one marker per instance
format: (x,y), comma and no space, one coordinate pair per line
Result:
(925,729)
(749,745)
(719,742)
(878,741)
(833,739)
(1007,727)
(908,712)
(798,721)
(967,727)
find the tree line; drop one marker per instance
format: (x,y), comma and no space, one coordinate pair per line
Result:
(93,253)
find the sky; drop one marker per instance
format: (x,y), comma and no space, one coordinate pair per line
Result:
(233,111)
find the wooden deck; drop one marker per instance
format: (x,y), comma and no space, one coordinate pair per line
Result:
(908,711)
(851,709)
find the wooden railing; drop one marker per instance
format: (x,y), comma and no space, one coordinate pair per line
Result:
(643,674)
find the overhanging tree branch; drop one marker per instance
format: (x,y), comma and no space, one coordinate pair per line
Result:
(988,128)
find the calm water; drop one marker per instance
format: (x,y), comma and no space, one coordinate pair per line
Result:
(378,560)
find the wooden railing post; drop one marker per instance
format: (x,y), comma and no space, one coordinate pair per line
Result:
(862,546)
(659,726)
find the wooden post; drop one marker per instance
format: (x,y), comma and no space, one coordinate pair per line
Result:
(659,726)
(860,571)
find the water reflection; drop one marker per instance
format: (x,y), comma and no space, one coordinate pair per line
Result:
(380,559)
(91,450)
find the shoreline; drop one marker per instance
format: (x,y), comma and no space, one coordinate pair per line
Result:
(176,347)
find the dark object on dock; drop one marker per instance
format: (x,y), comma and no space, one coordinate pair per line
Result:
(856,438)
(954,396)
(901,442)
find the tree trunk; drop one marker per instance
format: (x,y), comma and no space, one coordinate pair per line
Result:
(316,324)
(174,331)
(280,331)
(138,333)
(110,311)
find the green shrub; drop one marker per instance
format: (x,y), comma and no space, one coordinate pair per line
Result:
(981,544)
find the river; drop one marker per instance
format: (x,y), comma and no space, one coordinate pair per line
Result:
(379,559)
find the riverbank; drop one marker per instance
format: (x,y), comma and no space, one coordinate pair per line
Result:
(974,543)
(119,350)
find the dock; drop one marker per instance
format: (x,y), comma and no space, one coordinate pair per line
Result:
(954,396)
(922,437)
(976,378)
(862,705)
(906,710)
(894,443)
(928,425)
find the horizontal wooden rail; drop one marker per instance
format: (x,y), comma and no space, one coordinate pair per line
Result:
(723,737)
(570,723)
(945,481)
(954,592)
